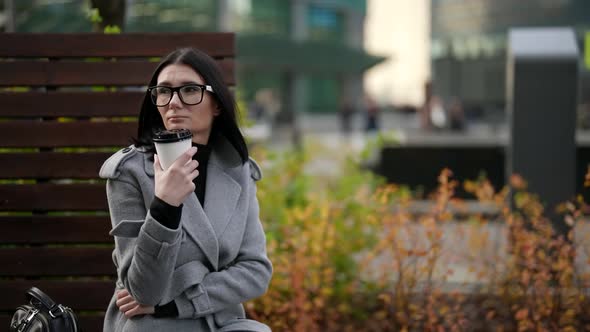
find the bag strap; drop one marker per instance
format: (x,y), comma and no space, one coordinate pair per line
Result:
(36,293)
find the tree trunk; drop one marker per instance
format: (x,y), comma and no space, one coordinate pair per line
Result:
(112,13)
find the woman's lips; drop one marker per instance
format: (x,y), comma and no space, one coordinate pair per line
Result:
(176,119)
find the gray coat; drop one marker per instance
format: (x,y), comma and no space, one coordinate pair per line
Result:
(210,265)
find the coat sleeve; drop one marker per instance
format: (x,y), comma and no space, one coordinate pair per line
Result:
(246,278)
(145,251)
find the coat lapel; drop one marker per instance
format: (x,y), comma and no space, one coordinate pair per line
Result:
(205,225)
(221,197)
(195,222)
(198,227)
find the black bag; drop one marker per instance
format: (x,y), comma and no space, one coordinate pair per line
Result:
(43,315)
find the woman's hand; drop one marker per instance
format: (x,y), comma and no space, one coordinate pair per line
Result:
(129,307)
(176,183)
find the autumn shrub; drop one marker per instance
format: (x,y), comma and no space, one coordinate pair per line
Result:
(317,229)
(354,253)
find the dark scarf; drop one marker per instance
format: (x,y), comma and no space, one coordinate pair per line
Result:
(202,156)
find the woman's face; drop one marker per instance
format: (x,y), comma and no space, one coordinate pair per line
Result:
(178,115)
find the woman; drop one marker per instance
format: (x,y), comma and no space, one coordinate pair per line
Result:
(189,245)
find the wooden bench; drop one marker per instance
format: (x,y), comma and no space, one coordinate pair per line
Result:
(66,103)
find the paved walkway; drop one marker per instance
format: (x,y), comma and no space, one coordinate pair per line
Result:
(458,237)
(326,128)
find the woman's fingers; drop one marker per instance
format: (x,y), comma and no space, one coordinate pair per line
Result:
(184,158)
(128,306)
(131,312)
(176,183)
(122,293)
(192,165)
(139,309)
(157,165)
(124,300)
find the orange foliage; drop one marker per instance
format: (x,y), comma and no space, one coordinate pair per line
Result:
(369,257)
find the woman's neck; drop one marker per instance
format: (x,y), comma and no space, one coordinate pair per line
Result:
(201,139)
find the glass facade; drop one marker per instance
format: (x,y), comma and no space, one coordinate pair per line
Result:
(469,39)
(51,16)
(325,24)
(458,18)
(267,54)
(268,17)
(171,15)
(323,94)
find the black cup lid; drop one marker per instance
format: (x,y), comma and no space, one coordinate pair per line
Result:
(174,135)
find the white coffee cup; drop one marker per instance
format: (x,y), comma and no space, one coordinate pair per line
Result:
(170,144)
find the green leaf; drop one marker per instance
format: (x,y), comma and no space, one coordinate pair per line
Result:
(112,30)
(94,15)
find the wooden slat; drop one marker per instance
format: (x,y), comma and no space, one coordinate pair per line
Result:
(63,134)
(64,64)
(53,197)
(80,73)
(97,293)
(91,323)
(54,229)
(124,45)
(72,104)
(88,322)
(56,262)
(50,165)
(75,73)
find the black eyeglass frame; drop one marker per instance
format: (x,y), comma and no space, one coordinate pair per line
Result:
(203,87)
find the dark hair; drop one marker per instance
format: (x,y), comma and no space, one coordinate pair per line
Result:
(224,124)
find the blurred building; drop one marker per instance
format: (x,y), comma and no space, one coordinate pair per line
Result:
(468,50)
(399,30)
(309,53)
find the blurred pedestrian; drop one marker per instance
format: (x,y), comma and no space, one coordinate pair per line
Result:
(372,114)
(438,114)
(425,110)
(346,111)
(456,115)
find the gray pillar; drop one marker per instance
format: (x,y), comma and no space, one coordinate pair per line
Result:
(296,95)
(293,105)
(355,27)
(298,20)
(10,15)
(354,38)
(542,90)
(223,16)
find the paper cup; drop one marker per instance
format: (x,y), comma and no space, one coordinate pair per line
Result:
(170,144)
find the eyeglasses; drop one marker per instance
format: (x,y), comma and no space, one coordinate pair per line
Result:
(190,94)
